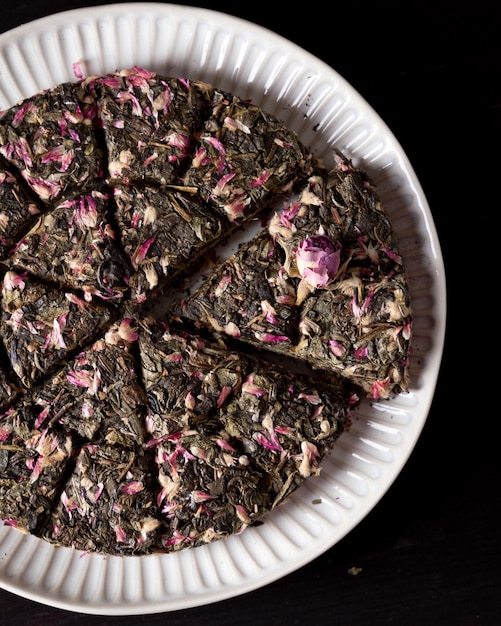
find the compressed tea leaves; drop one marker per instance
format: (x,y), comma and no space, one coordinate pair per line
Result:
(108,503)
(33,461)
(163,232)
(330,283)
(129,431)
(43,325)
(232,437)
(245,158)
(18,210)
(149,123)
(74,245)
(53,140)
(247,297)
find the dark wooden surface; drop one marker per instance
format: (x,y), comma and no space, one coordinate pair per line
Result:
(429,552)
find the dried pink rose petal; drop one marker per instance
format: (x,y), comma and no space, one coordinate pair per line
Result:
(317,261)
(120,534)
(124,331)
(270,338)
(77,70)
(223,395)
(261,179)
(127,331)
(310,455)
(249,386)
(133,487)
(12,281)
(198,496)
(242,514)
(336,348)
(232,124)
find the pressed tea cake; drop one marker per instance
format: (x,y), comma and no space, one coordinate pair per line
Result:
(125,432)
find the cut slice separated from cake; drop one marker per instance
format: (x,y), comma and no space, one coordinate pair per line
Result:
(334,264)
(247,297)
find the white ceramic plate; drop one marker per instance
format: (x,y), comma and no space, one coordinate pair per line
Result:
(325,111)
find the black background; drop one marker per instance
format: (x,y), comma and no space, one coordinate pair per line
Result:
(429,552)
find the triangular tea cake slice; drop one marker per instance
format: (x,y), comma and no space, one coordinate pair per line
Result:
(108,504)
(149,122)
(75,245)
(163,232)
(340,272)
(33,459)
(352,288)
(18,209)
(98,394)
(232,437)
(42,325)
(245,158)
(53,138)
(247,297)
